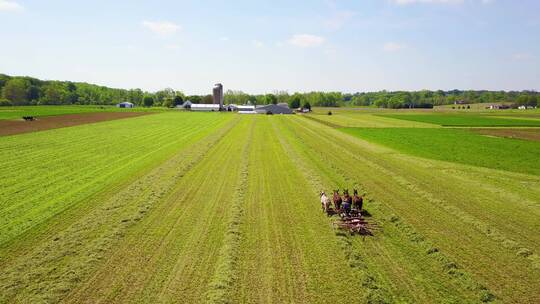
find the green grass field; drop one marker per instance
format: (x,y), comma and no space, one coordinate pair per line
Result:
(41,111)
(224,208)
(467,120)
(458,145)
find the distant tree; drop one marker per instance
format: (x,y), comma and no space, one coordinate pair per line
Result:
(194,98)
(53,94)
(270,99)
(207,99)
(533,101)
(4,102)
(16,91)
(168,103)
(34,93)
(148,101)
(178,100)
(135,96)
(295,101)
(307,106)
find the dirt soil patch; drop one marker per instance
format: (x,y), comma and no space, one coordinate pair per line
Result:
(528,134)
(11,127)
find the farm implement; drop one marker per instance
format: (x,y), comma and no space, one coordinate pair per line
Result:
(355,224)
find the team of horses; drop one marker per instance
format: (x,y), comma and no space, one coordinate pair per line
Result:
(342,204)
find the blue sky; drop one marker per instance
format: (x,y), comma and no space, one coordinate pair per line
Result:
(263,46)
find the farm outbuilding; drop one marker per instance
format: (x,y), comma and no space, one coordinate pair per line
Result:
(205,107)
(125,105)
(186,105)
(273,109)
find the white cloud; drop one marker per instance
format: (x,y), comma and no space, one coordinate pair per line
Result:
(224,38)
(162,28)
(10,6)
(393,47)
(257,43)
(306,40)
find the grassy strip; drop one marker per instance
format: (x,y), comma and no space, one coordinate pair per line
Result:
(415,238)
(219,289)
(56,266)
(457,145)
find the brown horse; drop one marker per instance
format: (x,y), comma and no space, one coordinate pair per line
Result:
(337,200)
(358,201)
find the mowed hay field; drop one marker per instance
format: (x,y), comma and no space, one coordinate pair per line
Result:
(222,208)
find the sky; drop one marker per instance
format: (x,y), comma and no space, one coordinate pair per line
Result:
(266,46)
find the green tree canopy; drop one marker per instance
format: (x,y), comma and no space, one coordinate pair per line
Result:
(16,91)
(148,101)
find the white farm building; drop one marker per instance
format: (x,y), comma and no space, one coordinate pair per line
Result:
(205,107)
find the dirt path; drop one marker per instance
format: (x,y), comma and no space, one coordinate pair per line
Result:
(12,127)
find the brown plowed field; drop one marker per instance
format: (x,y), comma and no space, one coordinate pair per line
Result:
(528,134)
(11,127)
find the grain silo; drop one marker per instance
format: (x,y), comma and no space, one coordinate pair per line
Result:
(218,94)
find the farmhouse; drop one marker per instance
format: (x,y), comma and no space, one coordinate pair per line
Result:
(274,109)
(125,105)
(205,107)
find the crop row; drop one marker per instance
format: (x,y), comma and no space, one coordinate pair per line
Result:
(52,267)
(43,186)
(388,175)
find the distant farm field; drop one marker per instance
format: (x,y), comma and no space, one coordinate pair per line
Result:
(458,145)
(183,207)
(467,120)
(41,111)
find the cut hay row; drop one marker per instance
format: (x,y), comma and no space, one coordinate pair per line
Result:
(171,254)
(381,173)
(288,252)
(384,278)
(62,180)
(207,207)
(54,264)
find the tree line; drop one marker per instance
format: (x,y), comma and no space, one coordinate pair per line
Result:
(31,91)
